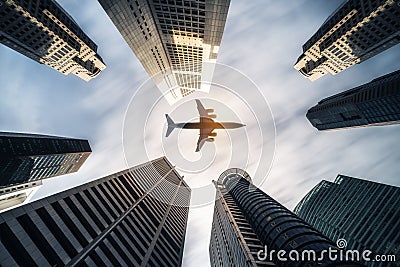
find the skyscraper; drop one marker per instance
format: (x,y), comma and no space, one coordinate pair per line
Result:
(15,195)
(30,157)
(356,31)
(246,219)
(373,103)
(43,31)
(366,214)
(176,39)
(136,217)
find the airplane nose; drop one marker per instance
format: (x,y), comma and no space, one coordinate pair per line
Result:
(232,125)
(238,125)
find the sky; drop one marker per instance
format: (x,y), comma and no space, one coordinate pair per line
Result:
(262,40)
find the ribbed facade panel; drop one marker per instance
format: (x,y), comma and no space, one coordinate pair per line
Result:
(113,221)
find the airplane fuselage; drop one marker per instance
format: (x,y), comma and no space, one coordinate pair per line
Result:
(209,125)
(206,125)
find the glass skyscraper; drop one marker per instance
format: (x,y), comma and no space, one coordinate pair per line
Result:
(45,32)
(30,157)
(136,217)
(246,220)
(356,31)
(366,214)
(373,103)
(176,39)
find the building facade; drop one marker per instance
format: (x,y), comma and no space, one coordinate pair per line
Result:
(356,31)
(136,217)
(233,241)
(43,31)
(16,195)
(373,103)
(366,214)
(176,41)
(31,157)
(248,223)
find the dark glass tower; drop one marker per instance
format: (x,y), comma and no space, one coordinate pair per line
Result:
(30,157)
(373,103)
(246,219)
(356,31)
(366,214)
(136,217)
(43,31)
(177,41)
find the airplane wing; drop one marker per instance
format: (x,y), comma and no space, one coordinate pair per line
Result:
(202,111)
(200,143)
(205,117)
(205,113)
(204,135)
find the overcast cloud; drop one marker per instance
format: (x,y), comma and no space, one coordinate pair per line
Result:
(263,39)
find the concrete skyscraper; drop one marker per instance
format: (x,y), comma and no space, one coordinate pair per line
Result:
(373,103)
(356,31)
(176,39)
(366,214)
(136,217)
(31,157)
(246,219)
(43,31)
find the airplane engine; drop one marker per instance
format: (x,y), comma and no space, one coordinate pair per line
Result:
(212,134)
(209,110)
(213,116)
(210,139)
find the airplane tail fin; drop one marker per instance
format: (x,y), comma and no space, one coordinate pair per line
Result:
(171,125)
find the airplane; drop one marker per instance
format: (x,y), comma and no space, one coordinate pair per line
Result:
(206,125)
